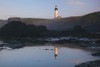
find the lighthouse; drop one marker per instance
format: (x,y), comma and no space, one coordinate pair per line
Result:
(56,16)
(56,11)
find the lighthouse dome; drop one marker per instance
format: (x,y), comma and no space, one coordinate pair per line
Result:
(56,8)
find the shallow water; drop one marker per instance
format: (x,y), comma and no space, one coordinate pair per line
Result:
(44,56)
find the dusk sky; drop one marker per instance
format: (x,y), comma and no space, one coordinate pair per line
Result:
(45,8)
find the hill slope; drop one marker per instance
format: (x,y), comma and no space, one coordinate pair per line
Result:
(90,22)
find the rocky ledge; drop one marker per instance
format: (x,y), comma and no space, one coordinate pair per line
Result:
(90,64)
(96,54)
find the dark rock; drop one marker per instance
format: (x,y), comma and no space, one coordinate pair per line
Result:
(14,46)
(90,64)
(96,54)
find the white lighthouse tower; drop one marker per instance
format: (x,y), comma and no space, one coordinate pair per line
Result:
(56,16)
(56,11)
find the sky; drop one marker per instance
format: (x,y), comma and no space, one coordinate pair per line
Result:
(45,8)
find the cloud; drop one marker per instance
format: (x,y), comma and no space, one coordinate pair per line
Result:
(74,3)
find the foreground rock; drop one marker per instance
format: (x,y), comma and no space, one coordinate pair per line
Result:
(96,54)
(14,46)
(90,64)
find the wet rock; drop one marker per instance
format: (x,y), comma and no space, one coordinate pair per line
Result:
(14,46)
(48,49)
(98,41)
(90,64)
(96,54)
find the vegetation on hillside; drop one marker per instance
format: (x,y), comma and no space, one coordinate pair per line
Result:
(20,29)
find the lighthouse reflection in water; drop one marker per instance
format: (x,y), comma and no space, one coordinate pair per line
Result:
(47,55)
(56,51)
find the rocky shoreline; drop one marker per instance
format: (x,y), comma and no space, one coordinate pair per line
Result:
(89,43)
(90,64)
